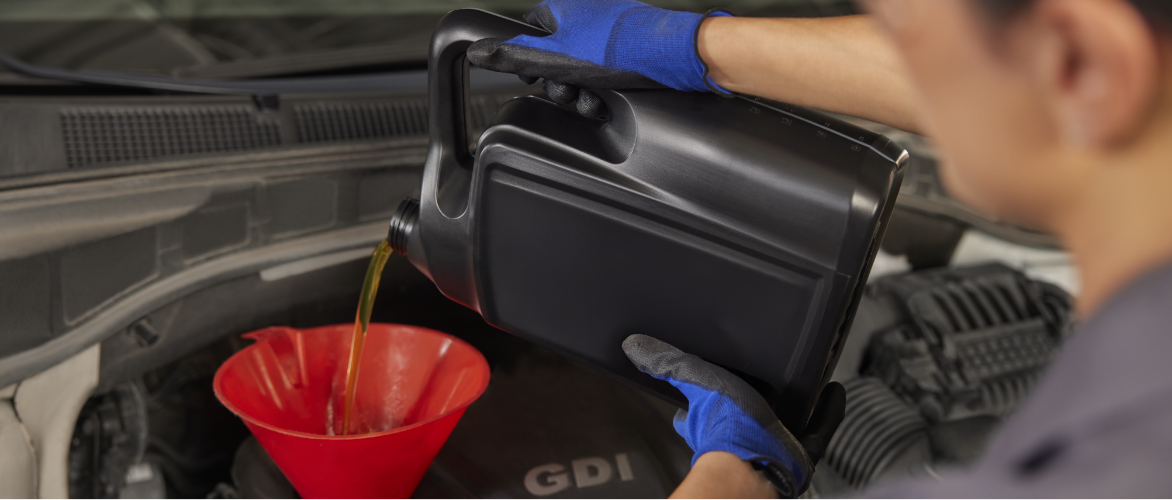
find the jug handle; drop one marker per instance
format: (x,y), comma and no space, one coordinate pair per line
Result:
(448,110)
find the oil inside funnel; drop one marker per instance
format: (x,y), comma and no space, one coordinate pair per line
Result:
(415,384)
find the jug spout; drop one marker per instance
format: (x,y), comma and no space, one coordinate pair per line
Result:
(403,225)
(403,235)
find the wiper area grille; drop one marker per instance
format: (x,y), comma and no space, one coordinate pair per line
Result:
(124,134)
(347,121)
(102,135)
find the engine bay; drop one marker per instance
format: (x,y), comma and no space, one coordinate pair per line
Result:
(935,360)
(146,231)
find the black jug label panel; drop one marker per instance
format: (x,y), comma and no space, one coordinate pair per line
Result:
(579,276)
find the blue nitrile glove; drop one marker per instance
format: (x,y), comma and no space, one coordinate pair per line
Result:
(604,44)
(725,414)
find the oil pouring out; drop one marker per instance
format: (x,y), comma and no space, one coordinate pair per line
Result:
(374,273)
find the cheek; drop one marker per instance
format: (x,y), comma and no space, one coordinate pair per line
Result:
(988,156)
(976,164)
(965,180)
(982,117)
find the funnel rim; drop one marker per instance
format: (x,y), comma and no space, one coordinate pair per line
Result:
(484,368)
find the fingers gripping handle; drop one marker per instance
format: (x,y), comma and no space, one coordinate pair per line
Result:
(448,94)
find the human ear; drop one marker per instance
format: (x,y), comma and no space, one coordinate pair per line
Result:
(1096,67)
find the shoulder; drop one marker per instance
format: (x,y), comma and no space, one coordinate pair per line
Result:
(1123,458)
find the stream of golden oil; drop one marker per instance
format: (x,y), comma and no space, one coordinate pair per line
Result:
(374,273)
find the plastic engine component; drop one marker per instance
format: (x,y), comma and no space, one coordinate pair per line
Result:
(959,349)
(878,427)
(975,340)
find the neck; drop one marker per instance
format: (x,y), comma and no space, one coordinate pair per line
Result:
(1122,227)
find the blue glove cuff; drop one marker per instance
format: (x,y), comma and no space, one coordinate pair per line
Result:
(712,86)
(776,454)
(716,423)
(781,479)
(661,44)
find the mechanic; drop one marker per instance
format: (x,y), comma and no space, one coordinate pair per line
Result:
(1055,114)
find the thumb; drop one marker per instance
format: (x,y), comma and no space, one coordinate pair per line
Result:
(521,55)
(485,53)
(658,358)
(542,17)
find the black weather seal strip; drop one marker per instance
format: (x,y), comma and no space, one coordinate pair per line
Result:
(126,311)
(315,85)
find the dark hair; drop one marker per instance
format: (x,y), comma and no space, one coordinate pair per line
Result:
(1157,12)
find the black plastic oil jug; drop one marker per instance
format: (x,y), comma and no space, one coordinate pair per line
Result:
(737,229)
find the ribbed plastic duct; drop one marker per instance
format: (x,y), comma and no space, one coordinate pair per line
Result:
(878,427)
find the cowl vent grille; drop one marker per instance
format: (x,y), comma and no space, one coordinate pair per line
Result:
(106,135)
(348,121)
(96,136)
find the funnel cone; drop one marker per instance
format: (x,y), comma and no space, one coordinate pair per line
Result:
(413,386)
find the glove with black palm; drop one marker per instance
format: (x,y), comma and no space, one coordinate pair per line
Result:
(725,414)
(601,44)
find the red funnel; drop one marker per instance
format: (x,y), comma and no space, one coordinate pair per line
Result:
(413,386)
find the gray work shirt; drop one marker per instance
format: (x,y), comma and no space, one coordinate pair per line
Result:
(1099,422)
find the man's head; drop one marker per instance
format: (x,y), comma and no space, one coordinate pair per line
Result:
(1029,101)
